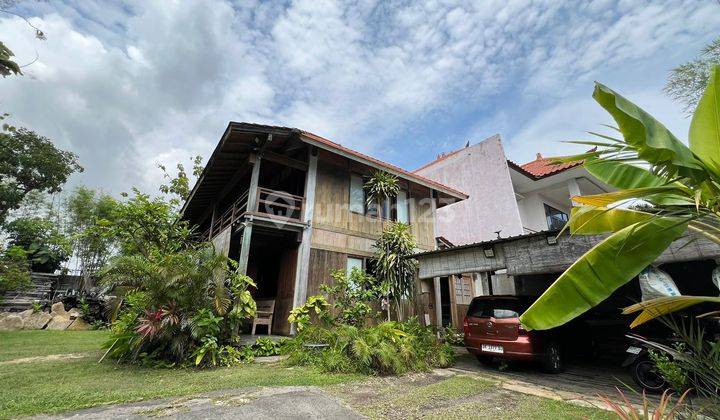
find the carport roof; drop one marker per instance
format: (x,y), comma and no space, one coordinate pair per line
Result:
(486,243)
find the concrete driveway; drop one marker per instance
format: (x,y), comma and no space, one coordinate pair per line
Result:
(252,403)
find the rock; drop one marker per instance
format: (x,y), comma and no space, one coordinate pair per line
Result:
(58,309)
(79,324)
(11,322)
(59,322)
(25,314)
(37,321)
(4,314)
(74,313)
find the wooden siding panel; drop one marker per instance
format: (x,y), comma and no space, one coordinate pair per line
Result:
(322,263)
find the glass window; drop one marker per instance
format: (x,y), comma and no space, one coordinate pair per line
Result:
(555,218)
(495,308)
(357,194)
(402,207)
(353,262)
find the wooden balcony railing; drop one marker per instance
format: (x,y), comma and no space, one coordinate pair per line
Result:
(271,203)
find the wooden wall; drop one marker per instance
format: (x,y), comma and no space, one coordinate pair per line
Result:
(285,291)
(322,263)
(337,229)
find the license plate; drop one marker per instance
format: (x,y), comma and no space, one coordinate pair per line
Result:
(492,349)
(633,350)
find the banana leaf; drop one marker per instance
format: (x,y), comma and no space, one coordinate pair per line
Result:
(654,308)
(671,192)
(622,175)
(653,142)
(600,271)
(705,126)
(588,220)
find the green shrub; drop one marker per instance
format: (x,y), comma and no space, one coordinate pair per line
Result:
(389,348)
(671,370)
(265,346)
(453,336)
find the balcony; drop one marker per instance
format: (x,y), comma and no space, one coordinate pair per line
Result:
(276,205)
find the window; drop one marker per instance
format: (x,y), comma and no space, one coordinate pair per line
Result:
(357,194)
(495,308)
(401,209)
(555,218)
(353,262)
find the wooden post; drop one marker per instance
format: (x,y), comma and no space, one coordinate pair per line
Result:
(254,180)
(302,268)
(247,230)
(245,247)
(438,302)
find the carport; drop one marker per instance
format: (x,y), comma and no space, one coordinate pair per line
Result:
(527,264)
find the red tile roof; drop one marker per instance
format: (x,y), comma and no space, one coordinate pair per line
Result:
(403,172)
(542,167)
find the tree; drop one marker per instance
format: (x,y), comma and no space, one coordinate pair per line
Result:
(7,65)
(687,82)
(14,270)
(30,162)
(682,186)
(392,265)
(45,246)
(179,185)
(87,212)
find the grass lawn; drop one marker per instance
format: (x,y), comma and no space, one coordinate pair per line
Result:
(56,386)
(20,344)
(53,386)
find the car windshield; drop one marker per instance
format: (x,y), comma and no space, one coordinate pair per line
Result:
(495,308)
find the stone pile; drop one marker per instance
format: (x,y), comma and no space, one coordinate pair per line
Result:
(57,319)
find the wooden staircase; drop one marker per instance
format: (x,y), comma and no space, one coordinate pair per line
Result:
(40,291)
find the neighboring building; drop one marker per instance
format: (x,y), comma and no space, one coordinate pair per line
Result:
(506,199)
(528,205)
(289,206)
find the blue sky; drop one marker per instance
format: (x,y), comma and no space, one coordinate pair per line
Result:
(129,84)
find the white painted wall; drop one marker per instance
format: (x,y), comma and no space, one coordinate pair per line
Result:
(481,171)
(532,210)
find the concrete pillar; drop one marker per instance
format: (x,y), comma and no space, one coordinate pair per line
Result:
(573,190)
(302,268)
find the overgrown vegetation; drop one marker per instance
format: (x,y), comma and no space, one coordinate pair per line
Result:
(345,336)
(393,265)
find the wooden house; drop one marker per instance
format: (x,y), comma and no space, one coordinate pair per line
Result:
(290,207)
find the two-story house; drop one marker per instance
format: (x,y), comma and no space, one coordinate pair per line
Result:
(506,199)
(290,207)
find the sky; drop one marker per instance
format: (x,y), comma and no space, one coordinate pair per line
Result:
(127,85)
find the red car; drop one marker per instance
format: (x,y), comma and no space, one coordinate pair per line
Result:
(492,330)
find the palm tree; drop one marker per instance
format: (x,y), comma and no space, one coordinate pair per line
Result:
(680,186)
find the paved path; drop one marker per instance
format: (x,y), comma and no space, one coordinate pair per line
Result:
(252,403)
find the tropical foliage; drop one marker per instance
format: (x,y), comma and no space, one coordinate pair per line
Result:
(393,265)
(679,187)
(14,270)
(388,348)
(7,64)
(381,185)
(345,336)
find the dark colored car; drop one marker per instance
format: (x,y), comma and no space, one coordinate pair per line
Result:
(492,330)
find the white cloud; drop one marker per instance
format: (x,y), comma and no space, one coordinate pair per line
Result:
(134,83)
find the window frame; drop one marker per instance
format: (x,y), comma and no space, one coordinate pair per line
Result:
(350,193)
(548,216)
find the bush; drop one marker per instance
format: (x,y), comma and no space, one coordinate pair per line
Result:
(389,348)
(453,336)
(186,307)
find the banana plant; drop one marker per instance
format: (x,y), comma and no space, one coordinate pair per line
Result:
(665,189)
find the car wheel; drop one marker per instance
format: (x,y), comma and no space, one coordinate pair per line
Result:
(484,359)
(553,361)
(646,377)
